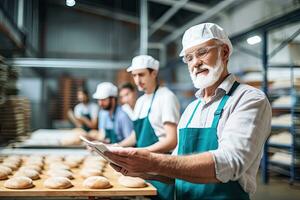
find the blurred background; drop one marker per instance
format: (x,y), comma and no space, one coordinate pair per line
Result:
(50,48)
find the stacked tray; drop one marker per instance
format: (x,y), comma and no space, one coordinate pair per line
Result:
(15,118)
(3,81)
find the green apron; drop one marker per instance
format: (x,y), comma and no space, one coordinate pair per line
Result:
(85,127)
(110,133)
(197,140)
(145,136)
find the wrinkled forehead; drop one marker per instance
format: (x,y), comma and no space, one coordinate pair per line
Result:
(203,45)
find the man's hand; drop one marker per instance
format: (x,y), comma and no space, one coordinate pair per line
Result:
(132,161)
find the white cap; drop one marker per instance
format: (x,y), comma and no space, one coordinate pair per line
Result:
(143,62)
(105,90)
(201,33)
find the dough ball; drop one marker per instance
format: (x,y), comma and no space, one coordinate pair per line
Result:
(11,165)
(30,173)
(5,169)
(20,182)
(3,175)
(59,166)
(53,158)
(61,173)
(58,183)
(96,182)
(35,167)
(132,182)
(87,172)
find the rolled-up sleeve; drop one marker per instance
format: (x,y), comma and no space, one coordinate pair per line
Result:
(243,136)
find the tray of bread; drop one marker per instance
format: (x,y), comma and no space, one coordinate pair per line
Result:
(57,138)
(69,175)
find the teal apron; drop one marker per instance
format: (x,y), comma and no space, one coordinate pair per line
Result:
(145,136)
(198,140)
(110,133)
(85,127)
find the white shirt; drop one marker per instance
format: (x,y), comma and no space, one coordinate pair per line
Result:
(129,111)
(83,109)
(243,129)
(165,108)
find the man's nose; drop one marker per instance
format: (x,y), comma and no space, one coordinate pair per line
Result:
(196,63)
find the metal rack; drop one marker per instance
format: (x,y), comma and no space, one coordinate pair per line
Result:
(264,29)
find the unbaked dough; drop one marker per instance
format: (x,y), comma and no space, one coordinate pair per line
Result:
(5,169)
(58,183)
(96,182)
(132,182)
(61,173)
(30,173)
(20,182)
(87,172)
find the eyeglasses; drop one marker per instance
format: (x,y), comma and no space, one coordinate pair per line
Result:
(199,53)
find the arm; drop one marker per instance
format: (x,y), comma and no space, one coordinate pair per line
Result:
(89,123)
(199,168)
(169,142)
(73,119)
(129,141)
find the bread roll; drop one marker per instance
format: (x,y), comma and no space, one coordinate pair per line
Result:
(5,169)
(59,166)
(87,172)
(60,173)
(20,182)
(30,173)
(3,175)
(35,167)
(96,182)
(58,183)
(132,182)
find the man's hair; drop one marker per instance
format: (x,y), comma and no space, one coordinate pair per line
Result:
(127,85)
(150,70)
(83,90)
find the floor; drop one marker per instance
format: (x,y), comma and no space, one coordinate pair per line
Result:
(277,189)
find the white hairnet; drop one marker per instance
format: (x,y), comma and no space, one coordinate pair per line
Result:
(201,33)
(143,62)
(105,90)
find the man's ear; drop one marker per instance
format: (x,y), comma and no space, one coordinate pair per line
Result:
(154,73)
(225,52)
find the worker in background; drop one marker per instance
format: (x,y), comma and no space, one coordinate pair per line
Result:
(85,113)
(221,134)
(114,123)
(128,96)
(156,114)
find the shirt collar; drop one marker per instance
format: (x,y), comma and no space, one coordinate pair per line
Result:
(225,86)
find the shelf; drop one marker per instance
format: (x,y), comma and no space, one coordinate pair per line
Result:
(285,146)
(285,108)
(284,66)
(285,127)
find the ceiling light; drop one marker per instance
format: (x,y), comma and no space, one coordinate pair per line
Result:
(254,40)
(70,3)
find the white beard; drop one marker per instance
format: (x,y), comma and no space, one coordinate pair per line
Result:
(205,81)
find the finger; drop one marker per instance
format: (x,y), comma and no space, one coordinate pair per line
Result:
(124,171)
(122,151)
(116,167)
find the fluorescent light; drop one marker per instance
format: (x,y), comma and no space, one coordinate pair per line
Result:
(70,3)
(254,40)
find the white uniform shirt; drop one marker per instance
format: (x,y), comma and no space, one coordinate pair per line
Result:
(165,108)
(129,111)
(82,109)
(243,129)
